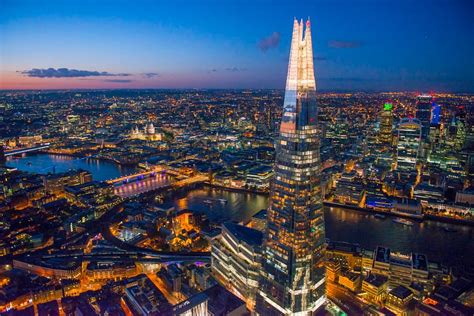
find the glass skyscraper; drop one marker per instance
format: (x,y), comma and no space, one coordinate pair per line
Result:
(386,122)
(408,146)
(293,275)
(423,114)
(435,113)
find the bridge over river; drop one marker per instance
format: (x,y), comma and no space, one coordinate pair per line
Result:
(157,178)
(25,150)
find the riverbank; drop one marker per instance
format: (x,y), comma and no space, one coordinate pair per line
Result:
(43,163)
(92,156)
(435,218)
(237,190)
(448,243)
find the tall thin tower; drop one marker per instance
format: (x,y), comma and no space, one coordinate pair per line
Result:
(386,121)
(423,113)
(293,275)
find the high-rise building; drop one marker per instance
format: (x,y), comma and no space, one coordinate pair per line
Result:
(434,133)
(408,146)
(423,114)
(236,260)
(293,274)
(435,113)
(386,121)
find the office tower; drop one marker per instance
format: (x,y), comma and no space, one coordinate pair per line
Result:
(435,135)
(293,275)
(423,114)
(435,113)
(236,260)
(435,125)
(408,146)
(386,119)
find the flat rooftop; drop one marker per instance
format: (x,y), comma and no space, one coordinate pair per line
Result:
(376,280)
(401,292)
(420,262)
(250,236)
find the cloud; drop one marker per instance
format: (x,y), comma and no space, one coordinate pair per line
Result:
(229,69)
(150,75)
(118,80)
(269,42)
(68,73)
(320,58)
(345,44)
(235,69)
(342,79)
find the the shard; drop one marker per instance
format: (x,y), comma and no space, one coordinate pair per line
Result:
(293,275)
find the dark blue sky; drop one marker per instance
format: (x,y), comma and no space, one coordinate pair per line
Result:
(359,45)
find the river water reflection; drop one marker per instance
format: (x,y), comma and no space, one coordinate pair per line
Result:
(428,237)
(43,163)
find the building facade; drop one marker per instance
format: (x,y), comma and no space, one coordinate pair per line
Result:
(386,122)
(408,146)
(293,274)
(236,260)
(423,114)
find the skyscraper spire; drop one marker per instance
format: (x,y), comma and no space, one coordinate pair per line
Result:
(300,74)
(293,278)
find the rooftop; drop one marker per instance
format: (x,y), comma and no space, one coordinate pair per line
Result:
(221,301)
(401,292)
(376,280)
(250,236)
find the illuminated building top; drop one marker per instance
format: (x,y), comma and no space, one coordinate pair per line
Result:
(300,80)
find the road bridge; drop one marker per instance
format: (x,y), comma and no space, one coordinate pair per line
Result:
(154,171)
(20,151)
(136,256)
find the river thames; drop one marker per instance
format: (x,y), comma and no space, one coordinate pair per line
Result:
(43,163)
(452,248)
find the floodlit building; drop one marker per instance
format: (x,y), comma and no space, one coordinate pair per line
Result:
(375,287)
(293,273)
(259,177)
(398,299)
(401,269)
(148,133)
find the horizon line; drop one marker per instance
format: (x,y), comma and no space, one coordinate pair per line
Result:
(240,89)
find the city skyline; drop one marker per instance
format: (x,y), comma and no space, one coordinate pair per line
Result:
(72,45)
(154,161)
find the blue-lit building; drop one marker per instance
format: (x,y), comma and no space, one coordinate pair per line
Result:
(435,113)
